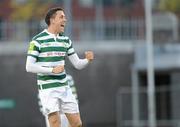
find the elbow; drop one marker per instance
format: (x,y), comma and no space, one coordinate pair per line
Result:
(28,68)
(77,66)
(80,65)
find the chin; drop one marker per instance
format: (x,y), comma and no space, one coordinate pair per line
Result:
(61,30)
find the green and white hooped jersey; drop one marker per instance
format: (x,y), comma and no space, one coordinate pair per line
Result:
(49,51)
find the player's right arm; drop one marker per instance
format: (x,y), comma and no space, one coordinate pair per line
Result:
(31,61)
(31,66)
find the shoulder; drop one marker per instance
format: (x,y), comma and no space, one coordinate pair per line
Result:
(40,35)
(64,38)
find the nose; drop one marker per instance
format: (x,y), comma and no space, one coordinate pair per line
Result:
(65,19)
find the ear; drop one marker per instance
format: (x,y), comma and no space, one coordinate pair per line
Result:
(52,20)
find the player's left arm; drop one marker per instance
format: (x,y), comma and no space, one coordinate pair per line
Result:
(89,55)
(76,61)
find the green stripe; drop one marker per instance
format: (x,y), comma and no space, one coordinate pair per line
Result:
(49,77)
(48,40)
(74,93)
(39,41)
(52,85)
(70,47)
(50,59)
(32,55)
(40,35)
(71,53)
(48,49)
(61,34)
(35,48)
(63,40)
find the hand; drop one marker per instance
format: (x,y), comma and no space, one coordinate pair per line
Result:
(89,55)
(58,69)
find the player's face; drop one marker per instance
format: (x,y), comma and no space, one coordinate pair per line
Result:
(60,21)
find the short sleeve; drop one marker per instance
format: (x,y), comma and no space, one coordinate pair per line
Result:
(34,49)
(70,49)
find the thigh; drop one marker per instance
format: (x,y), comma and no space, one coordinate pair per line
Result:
(54,119)
(74,119)
(69,103)
(49,103)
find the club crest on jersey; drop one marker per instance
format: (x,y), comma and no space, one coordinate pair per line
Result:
(65,45)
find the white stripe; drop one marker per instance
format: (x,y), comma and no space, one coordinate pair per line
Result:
(51,64)
(49,54)
(70,42)
(63,37)
(42,74)
(35,43)
(51,81)
(70,50)
(54,44)
(33,53)
(45,37)
(50,36)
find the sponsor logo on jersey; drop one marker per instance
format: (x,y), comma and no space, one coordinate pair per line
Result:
(56,54)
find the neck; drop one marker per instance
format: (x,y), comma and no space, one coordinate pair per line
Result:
(53,30)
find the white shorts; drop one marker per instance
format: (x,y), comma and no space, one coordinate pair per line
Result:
(58,99)
(64,121)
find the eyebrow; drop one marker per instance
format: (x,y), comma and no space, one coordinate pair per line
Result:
(63,15)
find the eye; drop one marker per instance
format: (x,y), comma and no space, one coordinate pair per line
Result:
(61,17)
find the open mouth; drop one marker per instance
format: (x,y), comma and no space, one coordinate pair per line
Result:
(62,25)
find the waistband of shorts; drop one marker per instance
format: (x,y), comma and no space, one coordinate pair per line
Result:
(51,85)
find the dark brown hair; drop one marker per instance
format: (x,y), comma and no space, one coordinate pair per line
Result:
(51,13)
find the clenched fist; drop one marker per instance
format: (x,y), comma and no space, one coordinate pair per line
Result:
(58,69)
(89,55)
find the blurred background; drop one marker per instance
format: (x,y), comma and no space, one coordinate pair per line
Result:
(112,90)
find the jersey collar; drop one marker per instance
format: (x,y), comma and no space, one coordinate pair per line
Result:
(60,34)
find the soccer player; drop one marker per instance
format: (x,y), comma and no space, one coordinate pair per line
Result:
(46,57)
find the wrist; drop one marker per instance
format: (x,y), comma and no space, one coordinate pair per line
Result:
(88,60)
(52,70)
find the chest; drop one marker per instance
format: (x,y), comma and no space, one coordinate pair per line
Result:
(53,48)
